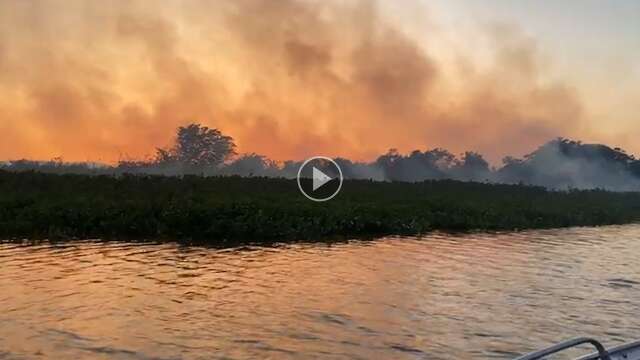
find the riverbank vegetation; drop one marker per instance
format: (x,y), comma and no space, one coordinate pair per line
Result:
(229,210)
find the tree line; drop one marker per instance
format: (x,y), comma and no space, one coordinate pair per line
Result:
(199,150)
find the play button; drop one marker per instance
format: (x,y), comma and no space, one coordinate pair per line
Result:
(319,178)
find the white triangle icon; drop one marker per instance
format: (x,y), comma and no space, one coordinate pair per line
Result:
(319,178)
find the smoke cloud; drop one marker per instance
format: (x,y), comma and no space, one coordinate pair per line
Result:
(106,81)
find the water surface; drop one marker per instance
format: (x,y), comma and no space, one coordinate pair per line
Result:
(439,297)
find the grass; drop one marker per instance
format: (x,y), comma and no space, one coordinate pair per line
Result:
(231,210)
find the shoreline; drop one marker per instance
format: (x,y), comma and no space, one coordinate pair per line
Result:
(226,211)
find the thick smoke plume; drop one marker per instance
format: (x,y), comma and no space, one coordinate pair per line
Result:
(109,80)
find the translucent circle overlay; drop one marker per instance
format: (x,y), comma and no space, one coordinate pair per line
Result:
(300,173)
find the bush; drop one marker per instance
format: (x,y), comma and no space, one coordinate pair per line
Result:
(231,210)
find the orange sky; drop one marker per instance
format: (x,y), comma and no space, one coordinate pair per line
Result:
(103,81)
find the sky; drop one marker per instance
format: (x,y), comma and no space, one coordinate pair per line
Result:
(112,80)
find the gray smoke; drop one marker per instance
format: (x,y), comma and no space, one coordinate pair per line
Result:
(559,164)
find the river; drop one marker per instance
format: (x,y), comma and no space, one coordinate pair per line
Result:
(473,296)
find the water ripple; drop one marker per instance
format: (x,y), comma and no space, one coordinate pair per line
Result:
(442,296)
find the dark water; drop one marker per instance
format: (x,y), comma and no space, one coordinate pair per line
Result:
(440,297)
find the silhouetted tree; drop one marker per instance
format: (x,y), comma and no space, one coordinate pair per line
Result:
(472,166)
(417,166)
(252,165)
(197,147)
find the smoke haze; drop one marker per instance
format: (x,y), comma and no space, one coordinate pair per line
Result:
(560,164)
(106,81)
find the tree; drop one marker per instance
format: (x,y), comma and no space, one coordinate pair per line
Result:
(198,146)
(252,165)
(471,166)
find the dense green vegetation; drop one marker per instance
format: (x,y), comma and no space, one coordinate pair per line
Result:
(226,210)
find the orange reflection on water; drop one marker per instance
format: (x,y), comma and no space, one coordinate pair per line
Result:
(442,296)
